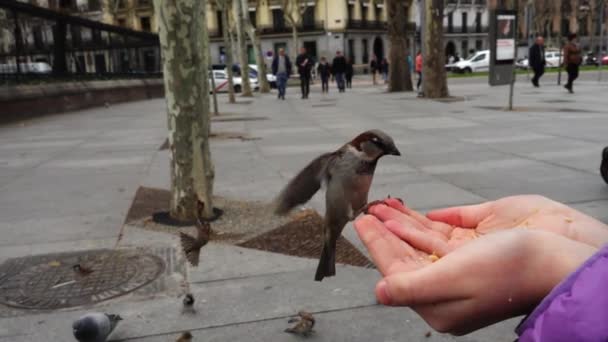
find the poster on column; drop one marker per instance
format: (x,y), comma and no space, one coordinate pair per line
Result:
(505,37)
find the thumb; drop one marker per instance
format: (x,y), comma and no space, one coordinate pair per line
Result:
(465,216)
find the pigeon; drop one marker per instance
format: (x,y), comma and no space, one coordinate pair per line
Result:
(185,337)
(82,270)
(95,327)
(303,326)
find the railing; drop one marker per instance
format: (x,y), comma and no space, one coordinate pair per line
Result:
(38,43)
(305,27)
(466,29)
(366,24)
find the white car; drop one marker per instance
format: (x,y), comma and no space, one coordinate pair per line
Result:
(34,68)
(221,82)
(552,57)
(479,62)
(253,72)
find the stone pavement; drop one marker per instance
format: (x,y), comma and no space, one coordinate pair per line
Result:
(66,182)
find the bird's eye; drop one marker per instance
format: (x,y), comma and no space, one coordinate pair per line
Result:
(375,139)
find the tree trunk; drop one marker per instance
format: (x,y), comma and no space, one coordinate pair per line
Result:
(228,50)
(181,31)
(399,73)
(433,66)
(242,42)
(294,35)
(257,50)
(213,90)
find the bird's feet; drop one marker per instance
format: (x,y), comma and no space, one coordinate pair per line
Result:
(365,209)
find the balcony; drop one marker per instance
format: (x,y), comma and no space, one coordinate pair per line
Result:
(305,27)
(366,25)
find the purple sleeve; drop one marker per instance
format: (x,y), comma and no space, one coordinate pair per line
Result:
(576,309)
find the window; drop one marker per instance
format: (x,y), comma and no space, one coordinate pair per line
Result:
(464,48)
(478,22)
(365,51)
(351,11)
(278,19)
(143,3)
(464,22)
(351,50)
(478,44)
(220,22)
(584,26)
(308,18)
(565,27)
(479,58)
(451,22)
(253,18)
(363,12)
(378,12)
(311,48)
(145,23)
(220,76)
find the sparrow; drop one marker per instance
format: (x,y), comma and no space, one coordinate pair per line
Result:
(188,300)
(304,326)
(95,327)
(82,270)
(185,337)
(347,174)
(192,246)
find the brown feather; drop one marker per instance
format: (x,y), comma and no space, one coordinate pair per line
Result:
(191,248)
(304,185)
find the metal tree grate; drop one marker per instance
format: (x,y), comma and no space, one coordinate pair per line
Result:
(49,281)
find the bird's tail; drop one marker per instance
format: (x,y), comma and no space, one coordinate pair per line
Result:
(327,262)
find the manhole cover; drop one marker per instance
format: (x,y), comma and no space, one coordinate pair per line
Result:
(49,281)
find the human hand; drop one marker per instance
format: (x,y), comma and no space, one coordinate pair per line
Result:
(451,227)
(490,279)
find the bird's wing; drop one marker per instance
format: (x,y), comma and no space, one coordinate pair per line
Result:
(303,186)
(191,248)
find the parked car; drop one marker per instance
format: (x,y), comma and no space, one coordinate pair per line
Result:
(221,82)
(479,62)
(552,57)
(34,68)
(272,79)
(605,60)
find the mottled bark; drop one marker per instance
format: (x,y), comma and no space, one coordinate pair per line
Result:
(433,67)
(400,78)
(224,6)
(213,91)
(242,43)
(182,26)
(257,50)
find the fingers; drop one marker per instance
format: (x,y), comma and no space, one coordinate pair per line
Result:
(465,216)
(385,213)
(423,240)
(384,247)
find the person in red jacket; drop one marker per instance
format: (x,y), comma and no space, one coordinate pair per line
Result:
(464,268)
(419,69)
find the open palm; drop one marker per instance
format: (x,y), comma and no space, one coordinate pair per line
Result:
(441,231)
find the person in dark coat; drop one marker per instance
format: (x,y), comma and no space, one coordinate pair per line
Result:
(324,71)
(536,59)
(338,69)
(349,73)
(304,63)
(572,60)
(373,67)
(384,69)
(281,68)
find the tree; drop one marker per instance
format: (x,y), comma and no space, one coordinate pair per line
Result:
(293,11)
(184,49)
(224,7)
(400,78)
(239,14)
(435,82)
(257,49)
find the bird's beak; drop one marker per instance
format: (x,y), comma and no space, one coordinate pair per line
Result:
(394,151)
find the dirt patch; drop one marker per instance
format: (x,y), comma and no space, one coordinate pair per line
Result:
(250,224)
(303,237)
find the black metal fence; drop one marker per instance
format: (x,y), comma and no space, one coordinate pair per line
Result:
(37,44)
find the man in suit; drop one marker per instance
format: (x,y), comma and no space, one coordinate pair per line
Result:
(537,60)
(304,63)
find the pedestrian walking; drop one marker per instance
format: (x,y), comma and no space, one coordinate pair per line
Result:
(373,67)
(338,69)
(572,59)
(324,71)
(281,68)
(384,69)
(536,59)
(305,64)
(419,70)
(349,72)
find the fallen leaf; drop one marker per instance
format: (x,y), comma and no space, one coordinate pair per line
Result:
(54,263)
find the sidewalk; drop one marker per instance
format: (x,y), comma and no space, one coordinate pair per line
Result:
(67,181)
